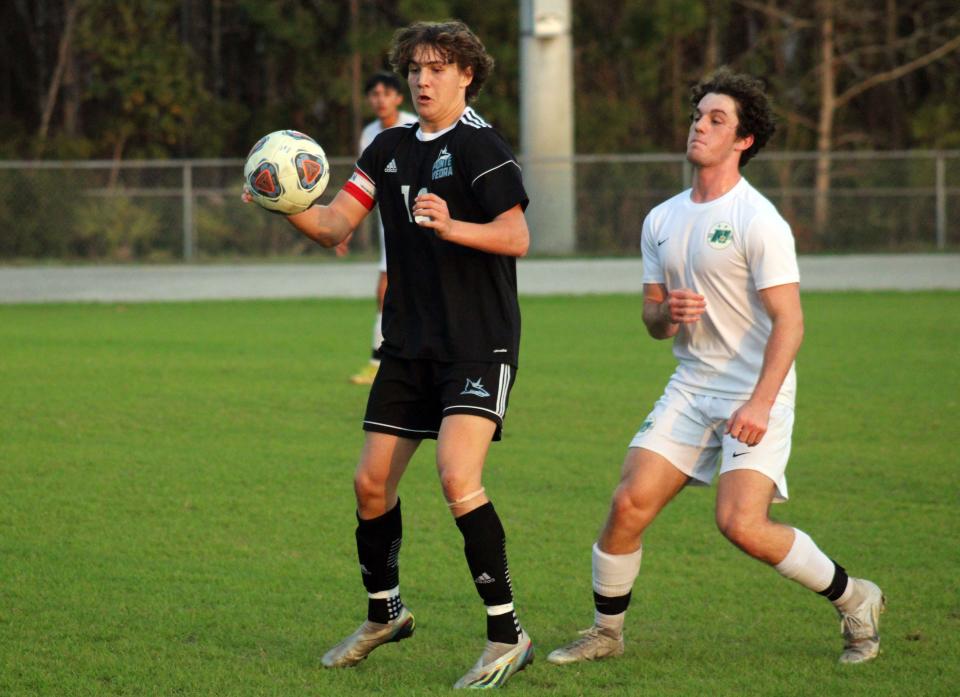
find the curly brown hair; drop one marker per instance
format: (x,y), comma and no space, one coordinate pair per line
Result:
(453,40)
(754,111)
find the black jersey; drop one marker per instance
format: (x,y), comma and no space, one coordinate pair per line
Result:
(444,301)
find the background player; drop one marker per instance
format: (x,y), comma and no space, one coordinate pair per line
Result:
(720,278)
(384,95)
(452,199)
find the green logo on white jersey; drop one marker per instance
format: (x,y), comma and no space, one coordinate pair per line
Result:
(720,235)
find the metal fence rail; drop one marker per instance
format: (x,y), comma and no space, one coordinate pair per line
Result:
(160,210)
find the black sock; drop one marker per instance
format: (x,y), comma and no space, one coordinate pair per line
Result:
(484,544)
(607,605)
(838,585)
(378,549)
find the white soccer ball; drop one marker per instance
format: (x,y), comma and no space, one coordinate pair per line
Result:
(286,171)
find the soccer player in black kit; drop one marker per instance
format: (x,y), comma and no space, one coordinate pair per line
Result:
(452,199)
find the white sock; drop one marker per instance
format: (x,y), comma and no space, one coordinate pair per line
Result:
(847,601)
(613,577)
(612,623)
(806,564)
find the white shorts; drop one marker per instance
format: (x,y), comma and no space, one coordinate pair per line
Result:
(688,430)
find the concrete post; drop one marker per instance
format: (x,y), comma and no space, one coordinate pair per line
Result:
(941,198)
(546,123)
(186,198)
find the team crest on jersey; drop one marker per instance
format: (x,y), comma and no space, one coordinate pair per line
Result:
(443,167)
(475,387)
(720,235)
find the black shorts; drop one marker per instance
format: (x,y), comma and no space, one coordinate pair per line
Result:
(409,398)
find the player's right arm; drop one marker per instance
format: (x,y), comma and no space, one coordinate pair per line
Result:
(657,322)
(330,225)
(366,138)
(664,311)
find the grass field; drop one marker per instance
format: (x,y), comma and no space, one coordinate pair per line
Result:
(176,513)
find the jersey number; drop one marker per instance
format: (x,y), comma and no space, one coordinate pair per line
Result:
(405,190)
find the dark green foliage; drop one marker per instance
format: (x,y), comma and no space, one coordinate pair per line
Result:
(187,78)
(24,229)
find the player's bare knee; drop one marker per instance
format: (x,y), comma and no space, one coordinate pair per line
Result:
(727,524)
(742,531)
(456,489)
(452,483)
(368,487)
(628,510)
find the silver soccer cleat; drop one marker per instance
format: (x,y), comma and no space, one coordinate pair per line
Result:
(487,675)
(595,643)
(369,636)
(861,628)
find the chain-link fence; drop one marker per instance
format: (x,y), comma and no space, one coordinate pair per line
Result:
(190,209)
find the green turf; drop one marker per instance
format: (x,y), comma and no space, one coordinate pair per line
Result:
(176,513)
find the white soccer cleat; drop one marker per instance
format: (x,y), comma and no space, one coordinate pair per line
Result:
(369,636)
(861,628)
(594,643)
(494,672)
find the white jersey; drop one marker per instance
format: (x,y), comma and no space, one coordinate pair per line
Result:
(371,131)
(374,128)
(727,250)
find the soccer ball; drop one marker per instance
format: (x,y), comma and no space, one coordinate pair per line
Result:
(286,171)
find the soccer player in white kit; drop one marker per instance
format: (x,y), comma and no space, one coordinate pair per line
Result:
(720,278)
(385,95)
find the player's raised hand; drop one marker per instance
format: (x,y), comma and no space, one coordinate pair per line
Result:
(245,195)
(748,424)
(684,306)
(429,210)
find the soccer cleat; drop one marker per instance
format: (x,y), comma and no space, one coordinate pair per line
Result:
(369,636)
(594,644)
(496,671)
(861,628)
(366,374)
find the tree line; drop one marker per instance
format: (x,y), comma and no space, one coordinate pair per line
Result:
(206,78)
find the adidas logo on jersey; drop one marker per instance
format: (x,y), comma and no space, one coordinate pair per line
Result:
(484,578)
(391,167)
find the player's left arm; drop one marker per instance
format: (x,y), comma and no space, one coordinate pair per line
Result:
(506,234)
(748,424)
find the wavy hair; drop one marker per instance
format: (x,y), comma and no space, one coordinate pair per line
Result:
(754,111)
(453,40)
